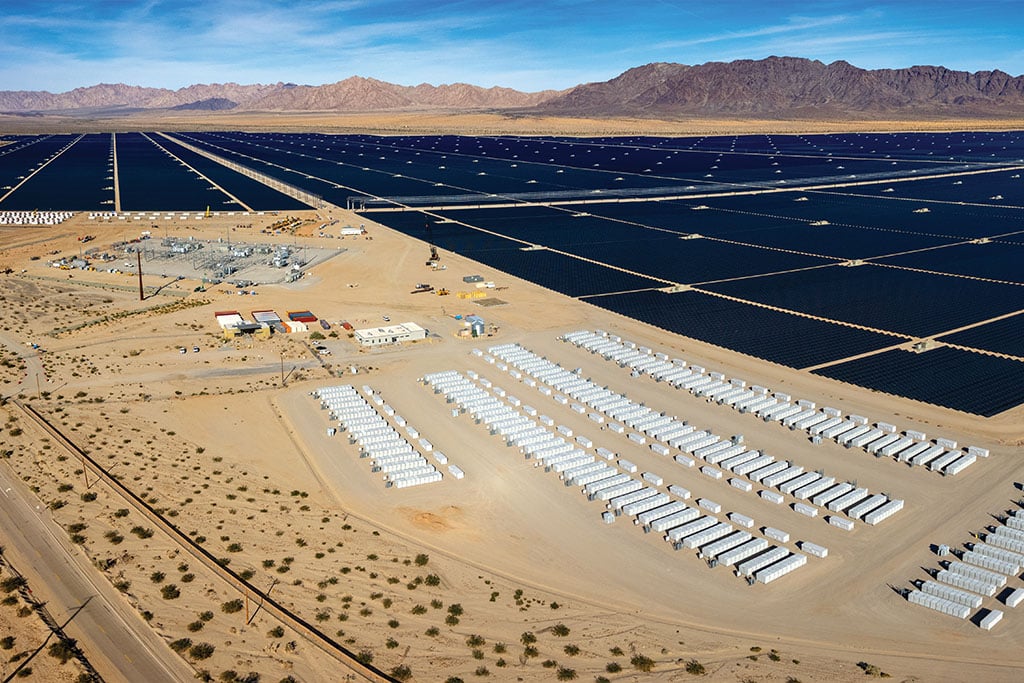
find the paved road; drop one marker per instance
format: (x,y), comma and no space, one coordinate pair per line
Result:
(113,636)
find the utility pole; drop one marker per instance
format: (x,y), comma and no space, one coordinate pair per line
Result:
(138,255)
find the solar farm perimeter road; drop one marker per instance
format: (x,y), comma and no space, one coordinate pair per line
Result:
(114,638)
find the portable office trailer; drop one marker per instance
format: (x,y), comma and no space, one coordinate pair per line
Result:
(684,460)
(627,465)
(771,496)
(776,534)
(977,451)
(775,479)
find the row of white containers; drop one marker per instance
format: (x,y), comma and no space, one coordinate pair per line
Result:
(882,440)
(403,466)
(34,217)
(684,526)
(730,455)
(981,571)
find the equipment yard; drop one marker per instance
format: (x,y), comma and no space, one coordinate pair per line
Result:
(572,493)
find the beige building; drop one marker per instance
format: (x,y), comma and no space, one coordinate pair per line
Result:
(391,334)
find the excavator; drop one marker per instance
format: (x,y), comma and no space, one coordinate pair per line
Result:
(434,257)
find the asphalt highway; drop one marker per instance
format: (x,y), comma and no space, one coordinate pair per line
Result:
(115,639)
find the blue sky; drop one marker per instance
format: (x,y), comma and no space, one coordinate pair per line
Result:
(59,45)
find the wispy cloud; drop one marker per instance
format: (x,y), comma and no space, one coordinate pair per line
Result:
(526,44)
(794,24)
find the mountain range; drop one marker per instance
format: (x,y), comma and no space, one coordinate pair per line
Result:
(776,87)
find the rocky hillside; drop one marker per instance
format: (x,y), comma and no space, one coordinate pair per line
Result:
(788,87)
(777,87)
(351,94)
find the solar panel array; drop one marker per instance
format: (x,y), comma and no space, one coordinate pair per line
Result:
(803,250)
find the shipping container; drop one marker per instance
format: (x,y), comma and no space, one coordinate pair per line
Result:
(741,484)
(674,520)
(993,617)
(939,604)
(741,520)
(884,512)
(709,505)
(742,552)
(957,595)
(751,565)
(712,472)
(781,568)
(679,491)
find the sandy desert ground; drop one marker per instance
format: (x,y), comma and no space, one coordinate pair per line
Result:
(468,123)
(503,575)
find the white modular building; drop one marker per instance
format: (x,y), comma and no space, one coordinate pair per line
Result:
(391,334)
